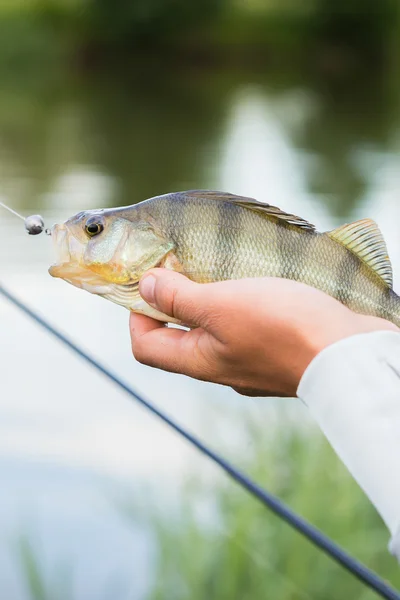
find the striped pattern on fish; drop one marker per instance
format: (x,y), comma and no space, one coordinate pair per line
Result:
(215,236)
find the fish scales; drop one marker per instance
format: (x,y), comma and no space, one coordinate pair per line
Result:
(260,247)
(211,236)
(249,246)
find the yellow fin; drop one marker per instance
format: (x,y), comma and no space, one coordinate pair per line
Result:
(365,240)
(262,208)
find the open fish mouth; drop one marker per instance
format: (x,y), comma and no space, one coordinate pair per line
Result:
(77,275)
(67,249)
(69,266)
(85,279)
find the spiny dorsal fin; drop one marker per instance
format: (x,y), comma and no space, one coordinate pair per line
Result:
(365,239)
(262,208)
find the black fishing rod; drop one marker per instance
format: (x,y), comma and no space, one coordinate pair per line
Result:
(323,542)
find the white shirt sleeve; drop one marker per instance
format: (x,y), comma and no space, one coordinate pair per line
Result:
(352,389)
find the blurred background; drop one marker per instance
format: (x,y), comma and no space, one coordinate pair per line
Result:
(108,102)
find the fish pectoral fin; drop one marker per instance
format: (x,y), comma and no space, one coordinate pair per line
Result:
(262,208)
(146,248)
(171,261)
(366,241)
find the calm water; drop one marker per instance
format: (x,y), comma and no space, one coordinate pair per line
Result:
(69,441)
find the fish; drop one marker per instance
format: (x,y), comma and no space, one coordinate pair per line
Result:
(211,236)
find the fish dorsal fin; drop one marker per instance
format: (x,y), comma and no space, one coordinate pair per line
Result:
(365,240)
(263,209)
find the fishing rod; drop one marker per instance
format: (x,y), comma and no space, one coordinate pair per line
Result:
(319,539)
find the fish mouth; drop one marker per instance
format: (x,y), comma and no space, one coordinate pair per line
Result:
(79,276)
(67,249)
(68,264)
(69,267)
(124,294)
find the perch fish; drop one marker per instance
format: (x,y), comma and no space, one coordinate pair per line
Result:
(214,236)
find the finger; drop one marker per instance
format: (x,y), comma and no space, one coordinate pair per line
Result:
(173,350)
(155,349)
(140,325)
(175,295)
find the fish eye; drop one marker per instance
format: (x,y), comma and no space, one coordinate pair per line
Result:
(93,228)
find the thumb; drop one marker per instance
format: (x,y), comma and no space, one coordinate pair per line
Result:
(174,295)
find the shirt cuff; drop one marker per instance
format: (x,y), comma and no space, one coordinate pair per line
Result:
(352,389)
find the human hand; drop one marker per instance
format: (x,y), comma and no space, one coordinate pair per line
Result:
(255,335)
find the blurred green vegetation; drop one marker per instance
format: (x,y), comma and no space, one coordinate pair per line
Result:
(214,541)
(163,129)
(232,30)
(223,545)
(36,579)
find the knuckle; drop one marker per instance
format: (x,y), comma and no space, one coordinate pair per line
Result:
(174,298)
(229,354)
(166,295)
(213,321)
(139,351)
(206,357)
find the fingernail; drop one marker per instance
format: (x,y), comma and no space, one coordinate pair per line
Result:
(146,288)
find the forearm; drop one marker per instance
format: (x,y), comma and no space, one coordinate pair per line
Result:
(352,389)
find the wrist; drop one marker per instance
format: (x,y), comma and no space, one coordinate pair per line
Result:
(323,337)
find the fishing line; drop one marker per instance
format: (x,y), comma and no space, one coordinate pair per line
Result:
(12,211)
(34,224)
(323,542)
